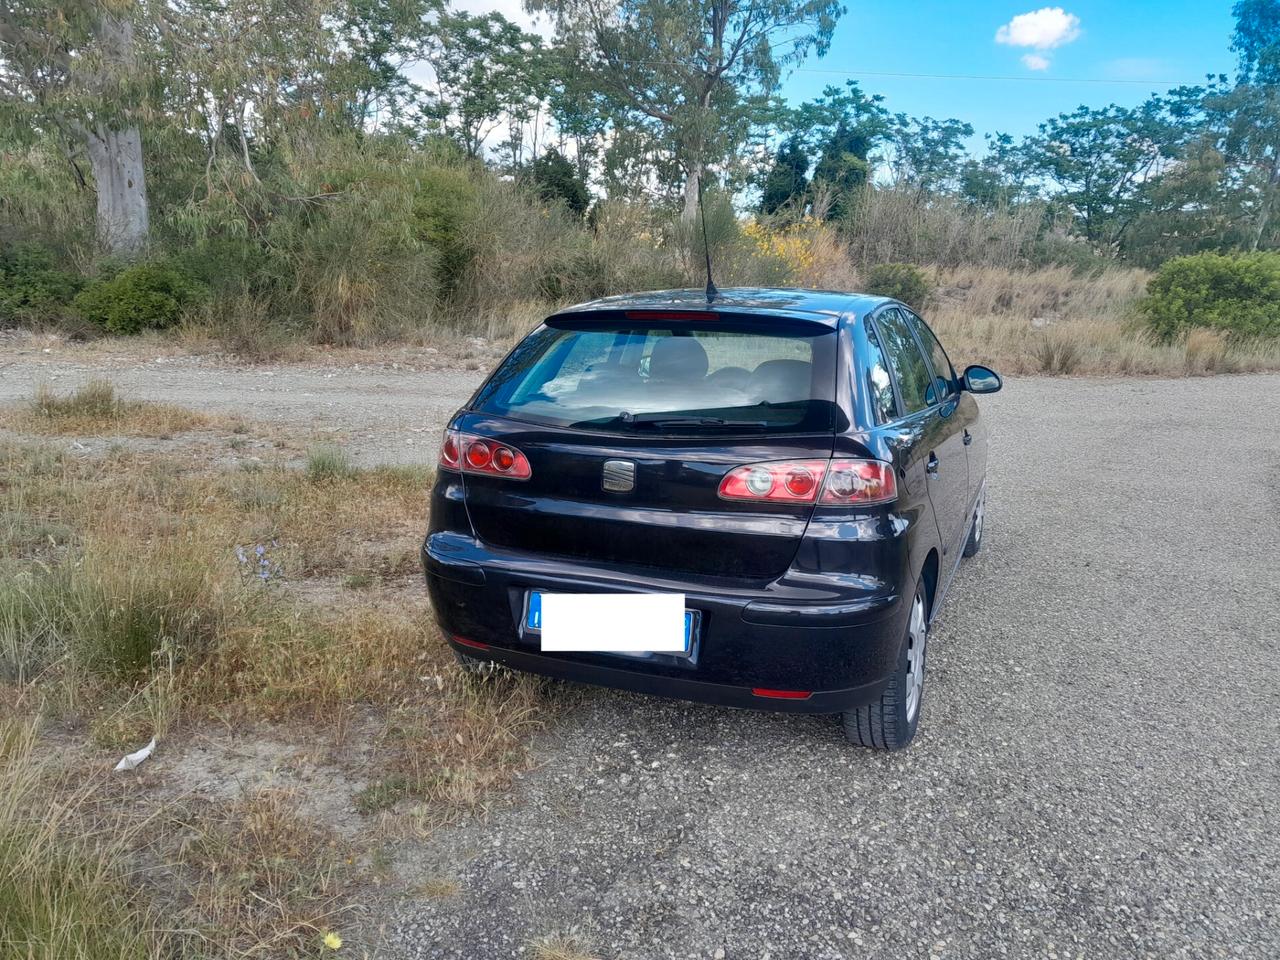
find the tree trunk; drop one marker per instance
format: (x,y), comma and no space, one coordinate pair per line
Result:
(123,217)
(1268,200)
(115,148)
(694,166)
(693,173)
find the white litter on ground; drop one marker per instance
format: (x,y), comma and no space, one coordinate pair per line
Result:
(129,761)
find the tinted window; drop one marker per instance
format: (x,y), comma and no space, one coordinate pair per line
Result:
(909,368)
(631,378)
(879,384)
(944,374)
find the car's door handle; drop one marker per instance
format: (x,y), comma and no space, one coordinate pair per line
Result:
(968,438)
(932,465)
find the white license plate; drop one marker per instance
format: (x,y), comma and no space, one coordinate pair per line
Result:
(627,623)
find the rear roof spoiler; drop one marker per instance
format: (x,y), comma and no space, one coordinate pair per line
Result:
(707,319)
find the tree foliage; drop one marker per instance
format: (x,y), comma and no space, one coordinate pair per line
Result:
(688,82)
(486,69)
(787,183)
(927,152)
(556,180)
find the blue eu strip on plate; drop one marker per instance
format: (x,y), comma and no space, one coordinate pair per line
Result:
(533,618)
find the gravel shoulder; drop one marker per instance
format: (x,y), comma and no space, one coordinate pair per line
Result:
(1097,773)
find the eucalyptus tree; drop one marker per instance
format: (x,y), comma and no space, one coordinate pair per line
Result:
(690,77)
(576,109)
(77,70)
(1252,109)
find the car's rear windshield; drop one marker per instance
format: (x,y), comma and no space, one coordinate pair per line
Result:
(629,378)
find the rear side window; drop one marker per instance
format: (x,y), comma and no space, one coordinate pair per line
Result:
(631,378)
(879,383)
(944,375)
(903,353)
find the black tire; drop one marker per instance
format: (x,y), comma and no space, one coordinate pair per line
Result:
(976,526)
(888,723)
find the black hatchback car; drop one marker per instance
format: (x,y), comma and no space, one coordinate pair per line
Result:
(803,469)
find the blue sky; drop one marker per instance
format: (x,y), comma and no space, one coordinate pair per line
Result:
(1149,41)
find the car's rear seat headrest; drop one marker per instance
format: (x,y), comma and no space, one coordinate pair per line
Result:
(782,381)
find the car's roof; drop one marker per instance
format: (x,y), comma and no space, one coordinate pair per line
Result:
(826,306)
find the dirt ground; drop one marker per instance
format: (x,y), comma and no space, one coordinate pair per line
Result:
(383,406)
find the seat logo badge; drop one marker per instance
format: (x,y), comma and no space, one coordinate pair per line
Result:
(619,476)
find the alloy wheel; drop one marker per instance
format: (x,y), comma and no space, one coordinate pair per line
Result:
(917,636)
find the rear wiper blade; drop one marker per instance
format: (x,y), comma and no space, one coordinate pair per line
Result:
(658,421)
(661,421)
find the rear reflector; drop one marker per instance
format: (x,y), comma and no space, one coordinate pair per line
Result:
(782,694)
(472,454)
(474,644)
(840,482)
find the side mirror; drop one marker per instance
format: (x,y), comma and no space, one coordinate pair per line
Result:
(980,379)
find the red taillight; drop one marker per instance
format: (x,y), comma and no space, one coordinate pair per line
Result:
(478,455)
(800,482)
(472,454)
(474,644)
(853,482)
(449,449)
(782,694)
(504,458)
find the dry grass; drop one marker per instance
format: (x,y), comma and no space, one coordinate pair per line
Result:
(261,878)
(570,946)
(96,409)
(439,888)
(1052,321)
(91,871)
(65,891)
(145,594)
(899,225)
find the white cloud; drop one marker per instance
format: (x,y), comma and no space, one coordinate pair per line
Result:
(1042,29)
(1033,61)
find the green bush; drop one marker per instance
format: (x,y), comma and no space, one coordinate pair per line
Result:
(1238,295)
(901,281)
(444,210)
(32,286)
(148,296)
(229,263)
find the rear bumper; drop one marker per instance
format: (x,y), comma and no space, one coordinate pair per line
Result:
(562,667)
(841,650)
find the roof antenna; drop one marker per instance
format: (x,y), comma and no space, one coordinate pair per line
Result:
(712,292)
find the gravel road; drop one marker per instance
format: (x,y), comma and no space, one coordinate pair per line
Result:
(1098,770)
(389,411)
